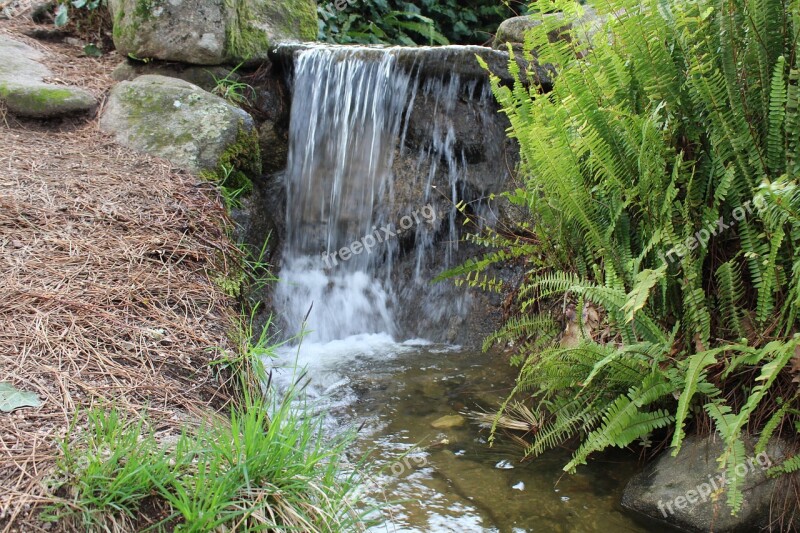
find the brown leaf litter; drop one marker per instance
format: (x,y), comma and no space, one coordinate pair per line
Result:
(106,262)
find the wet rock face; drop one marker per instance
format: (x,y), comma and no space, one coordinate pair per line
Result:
(271,106)
(478,135)
(181,122)
(438,61)
(689,491)
(26,94)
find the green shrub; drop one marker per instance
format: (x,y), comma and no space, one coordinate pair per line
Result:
(682,114)
(401,22)
(63,8)
(90,20)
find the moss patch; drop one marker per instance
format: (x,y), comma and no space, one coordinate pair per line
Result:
(140,104)
(304,14)
(244,154)
(244,40)
(43,100)
(37,99)
(237,164)
(251,21)
(144,9)
(243,158)
(232,284)
(124,32)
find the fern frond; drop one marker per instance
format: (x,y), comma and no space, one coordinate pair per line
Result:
(623,422)
(772,425)
(695,375)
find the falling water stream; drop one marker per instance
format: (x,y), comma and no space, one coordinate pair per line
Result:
(348,124)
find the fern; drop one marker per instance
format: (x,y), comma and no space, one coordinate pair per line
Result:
(661,174)
(730,293)
(789,466)
(694,378)
(623,422)
(543,327)
(772,425)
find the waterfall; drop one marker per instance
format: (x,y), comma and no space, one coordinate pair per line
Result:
(348,215)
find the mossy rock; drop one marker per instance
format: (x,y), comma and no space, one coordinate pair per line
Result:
(689,492)
(42,100)
(179,121)
(209,32)
(24,92)
(513,30)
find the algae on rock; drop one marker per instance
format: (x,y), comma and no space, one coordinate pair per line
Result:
(26,94)
(209,32)
(181,122)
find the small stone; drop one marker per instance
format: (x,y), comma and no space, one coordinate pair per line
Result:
(504,465)
(448,422)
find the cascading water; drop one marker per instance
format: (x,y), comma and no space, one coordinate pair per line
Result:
(345,221)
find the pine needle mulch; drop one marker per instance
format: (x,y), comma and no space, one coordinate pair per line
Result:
(107,261)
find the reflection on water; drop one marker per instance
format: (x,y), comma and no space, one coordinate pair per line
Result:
(447,478)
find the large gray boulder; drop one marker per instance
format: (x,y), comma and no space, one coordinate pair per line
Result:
(183,123)
(689,491)
(209,32)
(26,94)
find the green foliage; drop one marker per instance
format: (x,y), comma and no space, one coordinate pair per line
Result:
(62,14)
(115,469)
(270,467)
(230,88)
(661,172)
(233,186)
(409,23)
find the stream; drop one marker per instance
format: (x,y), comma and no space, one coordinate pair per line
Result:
(450,479)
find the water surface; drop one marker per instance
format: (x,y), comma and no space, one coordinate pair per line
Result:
(451,479)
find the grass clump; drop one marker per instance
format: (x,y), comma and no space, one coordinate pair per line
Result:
(113,472)
(270,466)
(232,89)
